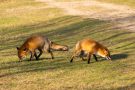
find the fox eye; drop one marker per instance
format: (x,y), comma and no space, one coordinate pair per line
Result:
(25,49)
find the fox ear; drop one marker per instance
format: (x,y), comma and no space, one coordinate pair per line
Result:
(17,48)
(51,42)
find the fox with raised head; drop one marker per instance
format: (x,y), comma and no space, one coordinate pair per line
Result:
(90,47)
(41,43)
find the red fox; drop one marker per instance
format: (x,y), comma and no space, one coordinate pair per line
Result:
(90,47)
(41,43)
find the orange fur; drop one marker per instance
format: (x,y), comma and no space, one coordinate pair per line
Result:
(41,43)
(91,47)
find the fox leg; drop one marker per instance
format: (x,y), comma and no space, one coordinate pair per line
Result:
(89,57)
(32,55)
(73,56)
(47,49)
(95,57)
(72,59)
(83,58)
(41,51)
(51,54)
(82,55)
(36,56)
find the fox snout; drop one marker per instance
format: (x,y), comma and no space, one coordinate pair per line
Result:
(108,58)
(21,57)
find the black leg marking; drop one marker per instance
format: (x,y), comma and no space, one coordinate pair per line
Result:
(36,56)
(89,58)
(95,57)
(72,59)
(83,59)
(41,52)
(51,55)
(74,54)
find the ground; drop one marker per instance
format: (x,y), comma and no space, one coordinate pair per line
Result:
(66,22)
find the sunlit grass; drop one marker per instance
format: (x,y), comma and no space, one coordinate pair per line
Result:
(59,74)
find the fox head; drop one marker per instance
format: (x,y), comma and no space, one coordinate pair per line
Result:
(105,53)
(22,52)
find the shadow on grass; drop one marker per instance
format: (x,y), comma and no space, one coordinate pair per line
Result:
(118,56)
(35,66)
(131,87)
(14,64)
(60,28)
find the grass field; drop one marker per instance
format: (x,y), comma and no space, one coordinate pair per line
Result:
(20,19)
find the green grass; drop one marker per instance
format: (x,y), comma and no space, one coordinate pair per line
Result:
(130,3)
(59,74)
